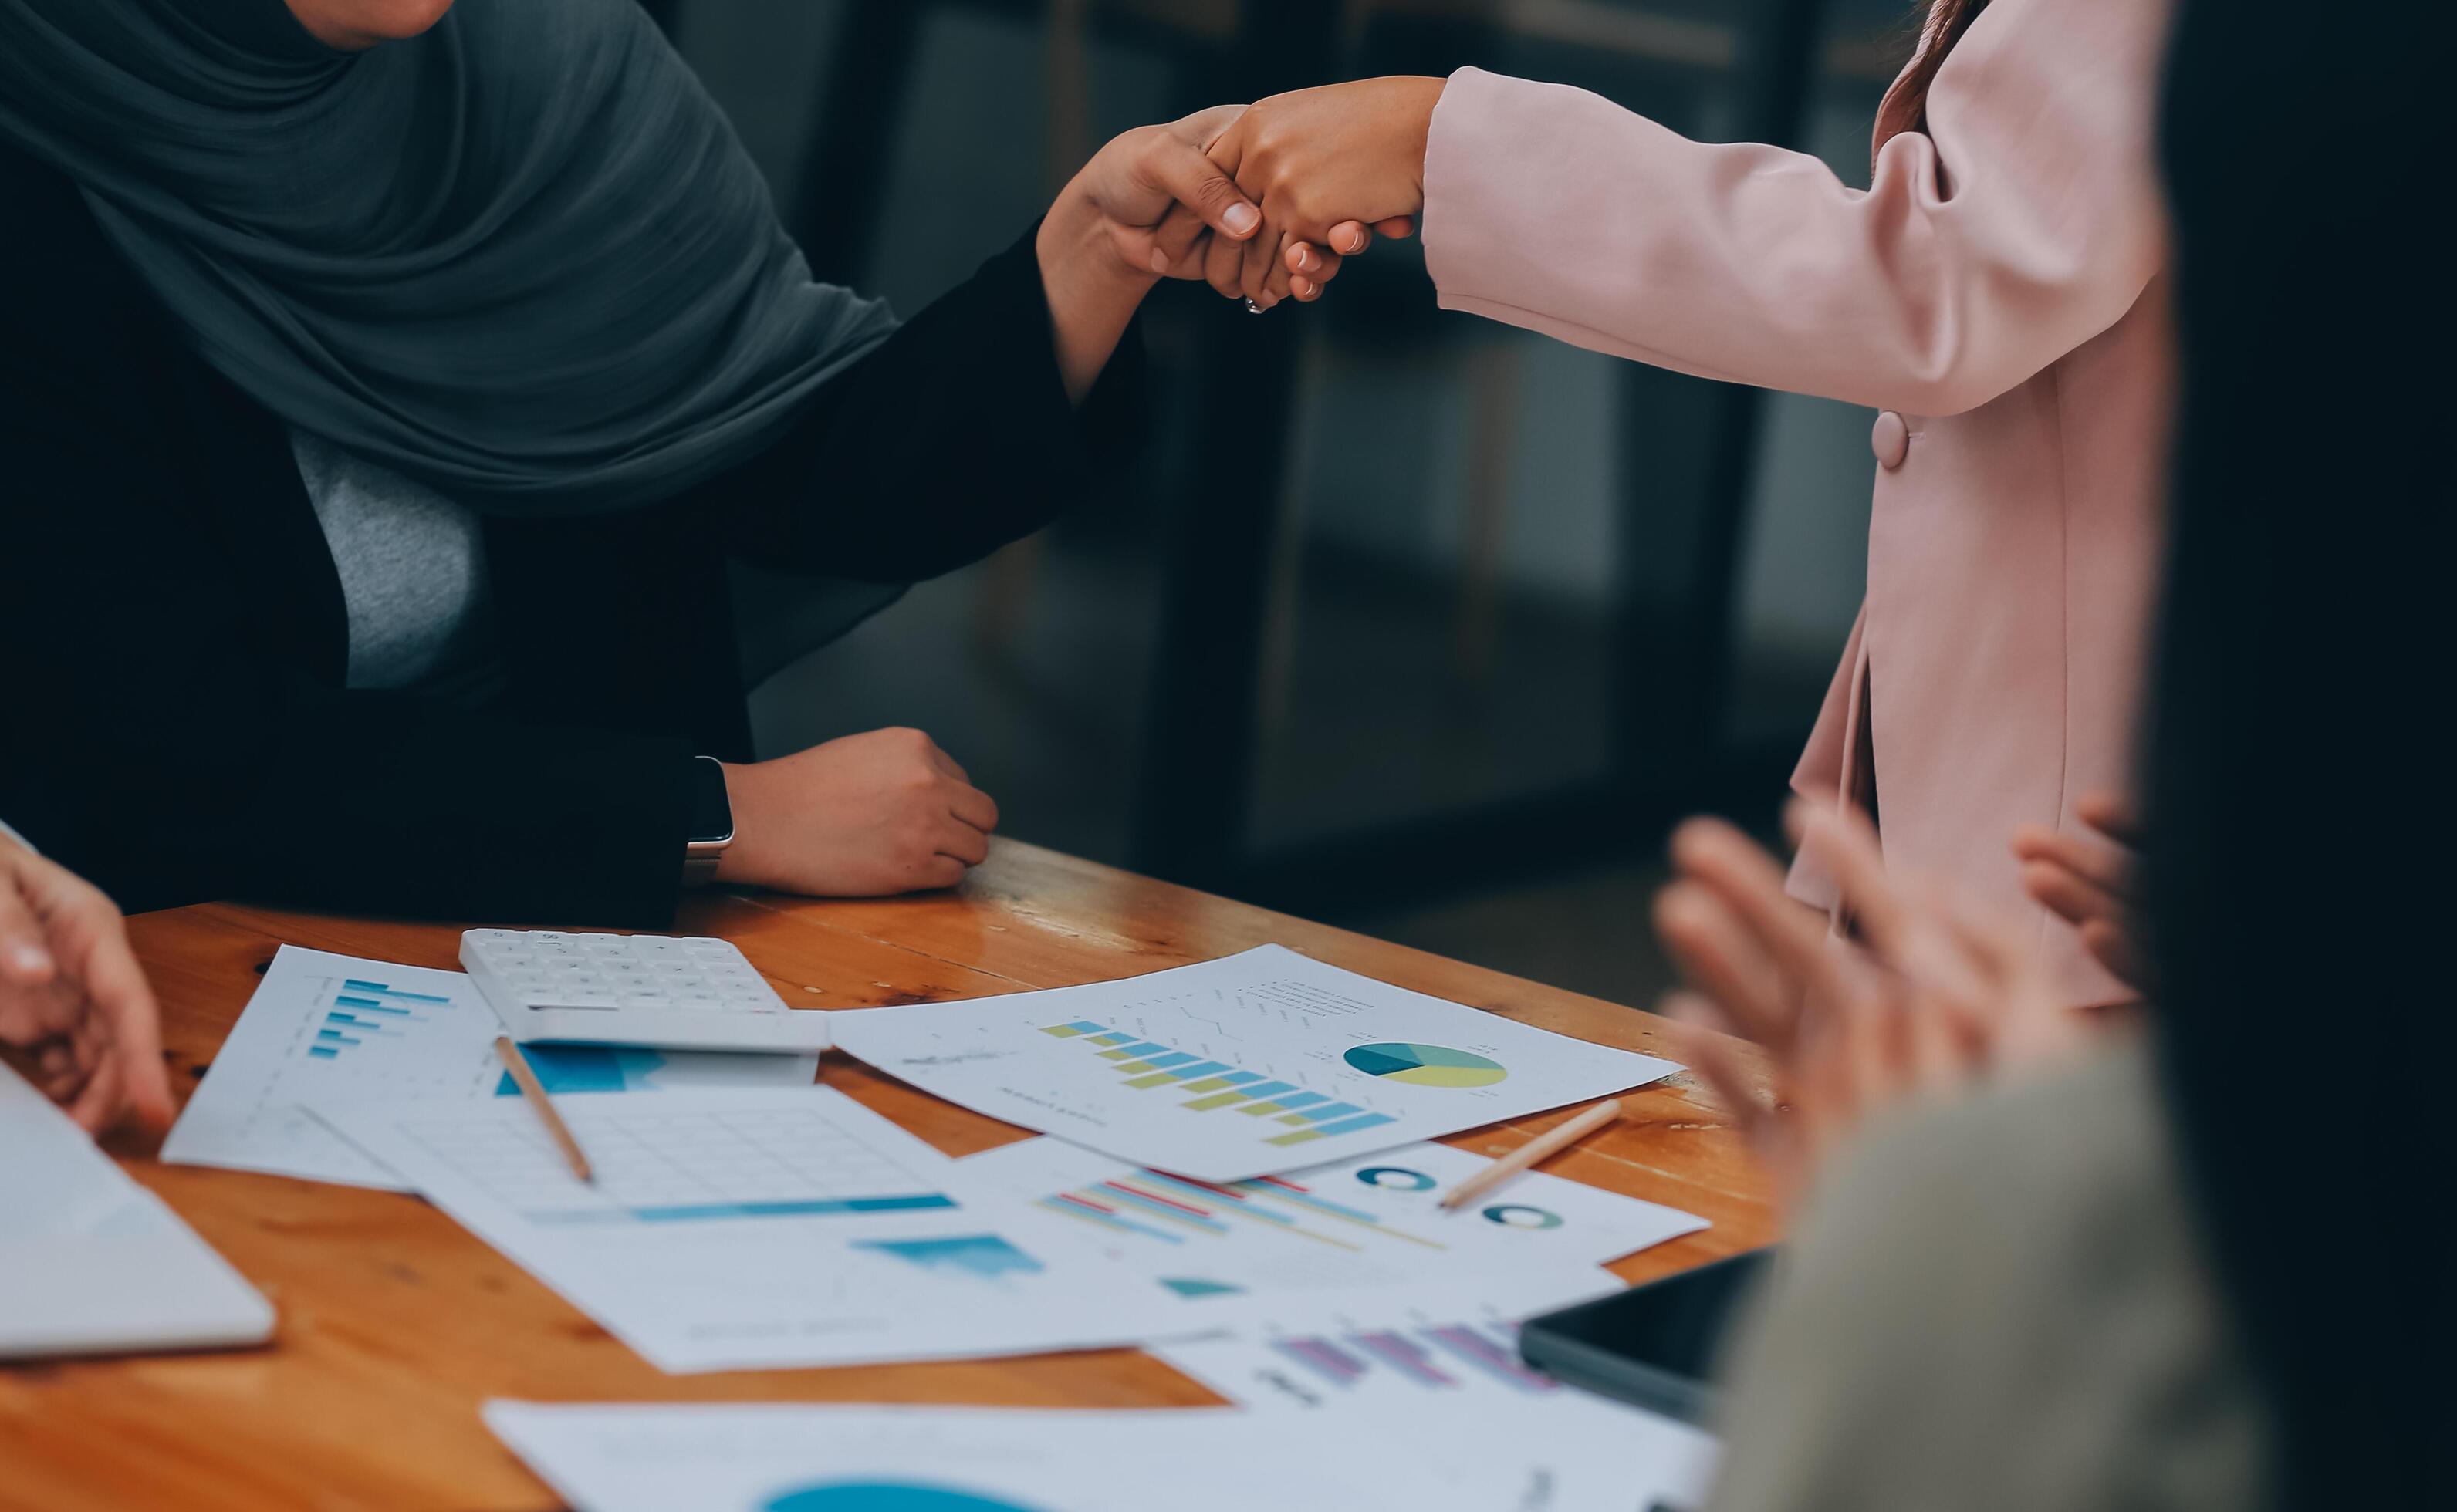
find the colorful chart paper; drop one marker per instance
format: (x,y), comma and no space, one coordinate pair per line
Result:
(747,1229)
(1426,1065)
(324,1026)
(1244,1067)
(1234,1250)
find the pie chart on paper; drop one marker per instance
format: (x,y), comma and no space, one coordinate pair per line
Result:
(1425,1065)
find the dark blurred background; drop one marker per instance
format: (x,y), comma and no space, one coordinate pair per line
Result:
(1411,622)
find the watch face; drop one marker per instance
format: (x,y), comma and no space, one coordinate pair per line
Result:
(712,814)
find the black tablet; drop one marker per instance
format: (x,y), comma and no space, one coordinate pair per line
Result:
(1652,1346)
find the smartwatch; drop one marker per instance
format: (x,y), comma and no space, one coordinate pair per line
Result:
(712,822)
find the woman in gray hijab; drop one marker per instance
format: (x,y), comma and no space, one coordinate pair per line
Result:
(388,386)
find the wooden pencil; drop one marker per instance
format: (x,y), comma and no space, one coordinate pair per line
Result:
(518,1065)
(1533,1150)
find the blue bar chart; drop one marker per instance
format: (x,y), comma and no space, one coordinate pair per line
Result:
(359,1011)
(1214,1084)
(976,1256)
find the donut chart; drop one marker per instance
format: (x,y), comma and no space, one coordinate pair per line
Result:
(1425,1065)
(1397,1178)
(1519,1215)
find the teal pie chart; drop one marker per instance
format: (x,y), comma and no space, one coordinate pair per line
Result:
(1425,1065)
(887,1495)
(1397,1178)
(1519,1215)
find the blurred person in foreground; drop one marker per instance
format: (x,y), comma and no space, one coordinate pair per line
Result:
(75,1005)
(2192,1258)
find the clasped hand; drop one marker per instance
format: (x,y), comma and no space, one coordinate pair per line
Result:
(1330,169)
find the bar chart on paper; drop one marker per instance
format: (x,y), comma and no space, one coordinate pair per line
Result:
(355,1011)
(751,1228)
(1247,1065)
(323,1026)
(1210,1085)
(1450,1342)
(1435,1369)
(1430,1359)
(1232,1249)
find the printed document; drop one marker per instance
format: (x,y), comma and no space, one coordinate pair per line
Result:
(336,1027)
(1234,1251)
(753,1228)
(1249,1066)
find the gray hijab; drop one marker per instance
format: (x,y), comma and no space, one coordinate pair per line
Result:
(521,259)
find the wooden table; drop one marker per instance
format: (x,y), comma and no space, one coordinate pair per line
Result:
(396,1324)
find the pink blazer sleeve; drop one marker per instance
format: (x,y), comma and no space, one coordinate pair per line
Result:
(2024,222)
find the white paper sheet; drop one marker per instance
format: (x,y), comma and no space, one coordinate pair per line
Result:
(325,1026)
(820,1458)
(1254,1064)
(747,1229)
(1452,1372)
(1233,1251)
(92,1262)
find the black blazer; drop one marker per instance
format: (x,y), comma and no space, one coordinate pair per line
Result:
(173,639)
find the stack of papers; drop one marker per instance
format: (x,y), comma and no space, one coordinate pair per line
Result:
(1237,1177)
(332,1030)
(748,1229)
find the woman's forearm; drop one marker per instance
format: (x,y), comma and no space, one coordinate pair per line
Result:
(1093,294)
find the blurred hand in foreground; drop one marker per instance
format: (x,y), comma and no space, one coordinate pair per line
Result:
(73,1002)
(1932,1002)
(2092,882)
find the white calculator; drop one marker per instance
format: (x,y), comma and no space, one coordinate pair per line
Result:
(633,989)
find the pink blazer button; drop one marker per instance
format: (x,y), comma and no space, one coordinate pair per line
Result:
(1891,439)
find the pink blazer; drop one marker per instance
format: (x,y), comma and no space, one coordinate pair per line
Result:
(1996,294)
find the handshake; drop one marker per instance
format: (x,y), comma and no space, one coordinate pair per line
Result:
(1264,202)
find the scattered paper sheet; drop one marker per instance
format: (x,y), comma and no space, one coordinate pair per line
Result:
(755,1228)
(821,1459)
(1235,1250)
(324,1026)
(1448,1369)
(92,1262)
(1251,1065)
